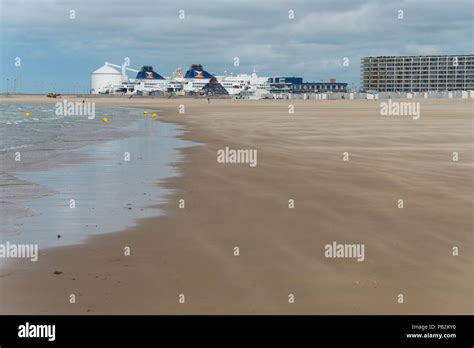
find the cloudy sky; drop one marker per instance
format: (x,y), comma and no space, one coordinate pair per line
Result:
(59,53)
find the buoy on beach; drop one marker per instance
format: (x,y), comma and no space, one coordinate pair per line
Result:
(105,120)
(153,115)
(27,114)
(145,112)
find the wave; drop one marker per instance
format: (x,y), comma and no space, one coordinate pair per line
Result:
(15,147)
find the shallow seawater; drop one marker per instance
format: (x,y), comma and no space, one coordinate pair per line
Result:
(43,125)
(108,192)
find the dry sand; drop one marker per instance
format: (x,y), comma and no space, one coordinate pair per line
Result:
(300,156)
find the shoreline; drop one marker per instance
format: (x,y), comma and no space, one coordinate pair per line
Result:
(190,251)
(50,174)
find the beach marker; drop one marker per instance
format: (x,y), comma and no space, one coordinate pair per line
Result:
(145,112)
(105,120)
(27,114)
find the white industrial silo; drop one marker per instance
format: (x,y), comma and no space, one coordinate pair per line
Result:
(104,79)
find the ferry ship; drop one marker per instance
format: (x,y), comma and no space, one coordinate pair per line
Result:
(238,83)
(197,78)
(106,80)
(147,81)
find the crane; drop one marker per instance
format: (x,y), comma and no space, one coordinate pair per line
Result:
(125,66)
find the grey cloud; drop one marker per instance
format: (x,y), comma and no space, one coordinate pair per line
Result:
(258,32)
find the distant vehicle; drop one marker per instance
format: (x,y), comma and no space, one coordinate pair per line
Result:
(53,95)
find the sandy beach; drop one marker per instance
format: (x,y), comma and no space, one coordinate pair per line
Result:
(191,250)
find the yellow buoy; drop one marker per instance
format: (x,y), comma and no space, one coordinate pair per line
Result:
(27,114)
(105,120)
(145,112)
(154,115)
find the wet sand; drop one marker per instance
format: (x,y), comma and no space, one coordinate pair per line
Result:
(190,251)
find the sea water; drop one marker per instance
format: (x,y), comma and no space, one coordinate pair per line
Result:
(79,177)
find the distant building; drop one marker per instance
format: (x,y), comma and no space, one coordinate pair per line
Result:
(318,87)
(296,85)
(285,79)
(282,84)
(417,73)
(104,79)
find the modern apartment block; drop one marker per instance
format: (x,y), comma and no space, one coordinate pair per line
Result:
(417,73)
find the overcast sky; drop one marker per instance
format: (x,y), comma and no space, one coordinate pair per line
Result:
(60,53)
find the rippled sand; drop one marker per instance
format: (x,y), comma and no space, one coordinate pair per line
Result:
(190,251)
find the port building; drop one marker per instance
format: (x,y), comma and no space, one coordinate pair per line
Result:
(114,79)
(104,79)
(319,87)
(296,85)
(417,73)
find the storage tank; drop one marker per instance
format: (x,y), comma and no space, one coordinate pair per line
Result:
(104,78)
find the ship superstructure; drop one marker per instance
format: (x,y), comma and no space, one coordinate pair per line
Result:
(235,84)
(194,81)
